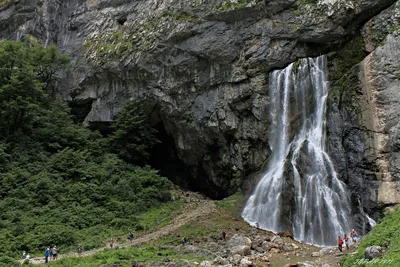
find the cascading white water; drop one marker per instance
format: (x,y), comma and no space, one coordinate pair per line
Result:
(300,190)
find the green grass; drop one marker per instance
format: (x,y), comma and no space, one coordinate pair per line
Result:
(386,234)
(232,203)
(164,213)
(225,218)
(125,256)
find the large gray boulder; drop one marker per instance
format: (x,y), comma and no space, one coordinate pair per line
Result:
(372,252)
(239,245)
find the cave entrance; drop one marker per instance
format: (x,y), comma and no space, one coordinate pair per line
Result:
(163,158)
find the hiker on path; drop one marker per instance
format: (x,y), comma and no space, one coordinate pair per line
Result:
(224,235)
(51,253)
(55,253)
(340,243)
(346,241)
(354,235)
(23,254)
(46,255)
(131,236)
(79,249)
(28,258)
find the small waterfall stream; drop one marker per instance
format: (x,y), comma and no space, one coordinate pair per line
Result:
(300,190)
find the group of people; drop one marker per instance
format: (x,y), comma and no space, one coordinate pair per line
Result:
(346,239)
(25,255)
(51,253)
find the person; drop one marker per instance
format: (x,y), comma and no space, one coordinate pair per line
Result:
(79,249)
(23,254)
(51,253)
(46,255)
(55,252)
(346,241)
(354,235)
(111,243)
(340,243)
(28,258)
(131,236)
(224,235)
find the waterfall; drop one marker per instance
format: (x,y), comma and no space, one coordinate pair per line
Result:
(300,190)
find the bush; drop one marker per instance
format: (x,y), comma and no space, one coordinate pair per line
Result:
(60,182)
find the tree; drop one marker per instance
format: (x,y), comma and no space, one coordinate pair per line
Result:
(47,61)
(25,72)
(133,136)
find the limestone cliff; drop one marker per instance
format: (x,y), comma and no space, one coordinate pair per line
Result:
(203,65)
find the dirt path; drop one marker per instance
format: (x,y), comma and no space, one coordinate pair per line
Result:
(190,213)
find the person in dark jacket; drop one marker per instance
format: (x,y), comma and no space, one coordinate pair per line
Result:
(46,255)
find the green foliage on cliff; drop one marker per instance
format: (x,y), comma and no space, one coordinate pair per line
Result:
(352,53)
(387,235)
(133,135)
(345,80)
(6,3)
(60,182)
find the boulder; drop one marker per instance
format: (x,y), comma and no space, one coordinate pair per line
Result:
(264,259)
(289,247)
(235,259)
(239,240)
(326,251)
(286,233)
(372,252)
(220,261)
(206,264)
(268,245)
(240,250)
(315,254)
(277,239)
(275,250)
(259,249)
(239,245)
(245,262)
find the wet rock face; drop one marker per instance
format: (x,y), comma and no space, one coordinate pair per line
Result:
(202,66)
(364,115)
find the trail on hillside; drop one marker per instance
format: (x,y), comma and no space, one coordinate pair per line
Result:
(191,212)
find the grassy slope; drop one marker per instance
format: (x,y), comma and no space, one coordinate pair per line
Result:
(386,234)
(226,217)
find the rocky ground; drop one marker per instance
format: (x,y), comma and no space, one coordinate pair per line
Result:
(244,245)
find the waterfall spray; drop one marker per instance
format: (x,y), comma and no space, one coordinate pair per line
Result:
(300,190)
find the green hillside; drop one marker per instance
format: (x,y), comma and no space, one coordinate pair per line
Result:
(63,184)
(385,234)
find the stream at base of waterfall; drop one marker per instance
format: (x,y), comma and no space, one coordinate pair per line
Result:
(299,190)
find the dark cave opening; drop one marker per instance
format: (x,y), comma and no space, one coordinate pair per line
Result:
(163,158)
(79,110)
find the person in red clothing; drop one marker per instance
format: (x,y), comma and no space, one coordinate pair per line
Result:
(346,241)
(340,243)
